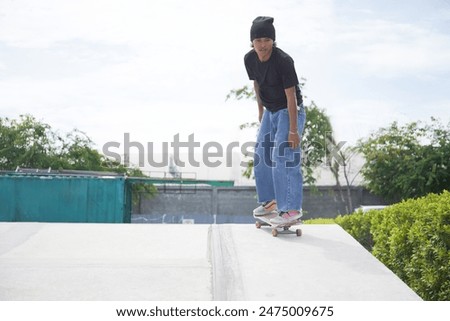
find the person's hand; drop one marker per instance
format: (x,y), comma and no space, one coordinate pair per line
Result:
(294,139)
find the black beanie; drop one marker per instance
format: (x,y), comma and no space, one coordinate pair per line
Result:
(262,27)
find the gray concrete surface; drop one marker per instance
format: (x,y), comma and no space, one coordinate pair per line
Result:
(49,261)
(104,262)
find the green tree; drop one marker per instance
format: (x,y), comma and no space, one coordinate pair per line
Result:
(29,143)
(25,143)
(317,140)
(407,161)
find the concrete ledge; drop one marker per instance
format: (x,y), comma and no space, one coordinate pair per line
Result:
(104,262)
(46,261)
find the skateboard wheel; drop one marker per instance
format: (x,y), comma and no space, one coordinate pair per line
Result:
(258,225)
(274,233)
(298,232)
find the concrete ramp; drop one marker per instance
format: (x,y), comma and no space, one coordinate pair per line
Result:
(46,261)
(104,262)
(325,263)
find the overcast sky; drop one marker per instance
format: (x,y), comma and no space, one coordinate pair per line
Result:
(154,69)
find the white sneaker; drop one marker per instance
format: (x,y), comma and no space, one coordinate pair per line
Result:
(266,208)
(287,217)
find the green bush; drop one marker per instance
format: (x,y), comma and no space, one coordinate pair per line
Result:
(358,226)
(412,238)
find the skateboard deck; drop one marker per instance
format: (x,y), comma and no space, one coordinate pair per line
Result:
(284,228)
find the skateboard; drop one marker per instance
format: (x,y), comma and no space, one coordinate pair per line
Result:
(285,227)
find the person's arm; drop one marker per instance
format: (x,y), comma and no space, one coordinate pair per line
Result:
(258,100)
(293,137)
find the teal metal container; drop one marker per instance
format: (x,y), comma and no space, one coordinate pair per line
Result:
(53,198)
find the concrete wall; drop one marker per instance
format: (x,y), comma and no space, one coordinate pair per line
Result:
(208,205)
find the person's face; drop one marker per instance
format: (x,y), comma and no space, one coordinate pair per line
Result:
(263,46)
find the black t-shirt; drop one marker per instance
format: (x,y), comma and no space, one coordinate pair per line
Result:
(273,77)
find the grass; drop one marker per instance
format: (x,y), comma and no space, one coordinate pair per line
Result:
(320,221)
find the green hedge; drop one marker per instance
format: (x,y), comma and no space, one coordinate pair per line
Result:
(412,238)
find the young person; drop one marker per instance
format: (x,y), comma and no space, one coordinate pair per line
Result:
(277,161)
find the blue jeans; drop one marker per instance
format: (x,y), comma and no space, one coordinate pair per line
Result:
(277,166)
